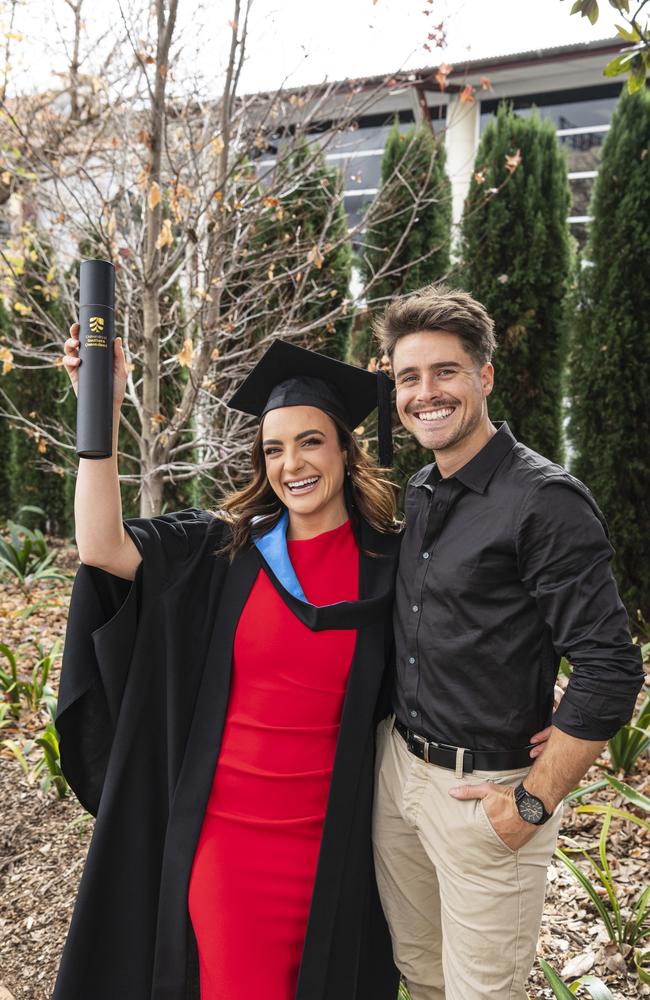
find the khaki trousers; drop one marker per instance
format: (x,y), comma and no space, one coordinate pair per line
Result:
(464,910)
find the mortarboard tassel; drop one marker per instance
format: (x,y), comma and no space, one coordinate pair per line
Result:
(384,419)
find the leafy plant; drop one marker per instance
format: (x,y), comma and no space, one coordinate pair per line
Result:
(630,931)
(25,556)
(9,683)
(4,721)
(51,762)
(633,61)
(595,987)
(47,766)
(581,792)
(641,962)
(36,689)
(631,741)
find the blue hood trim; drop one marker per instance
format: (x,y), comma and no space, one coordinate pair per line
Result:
(273,547)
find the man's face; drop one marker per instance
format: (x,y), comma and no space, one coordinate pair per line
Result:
(441,391)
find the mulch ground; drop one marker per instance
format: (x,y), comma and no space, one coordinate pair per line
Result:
(44,841)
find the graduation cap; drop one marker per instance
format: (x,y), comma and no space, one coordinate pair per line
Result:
(287,375)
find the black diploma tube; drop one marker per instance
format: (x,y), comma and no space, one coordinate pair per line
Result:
(95,383)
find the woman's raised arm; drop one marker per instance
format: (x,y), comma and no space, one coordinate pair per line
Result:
(99,531)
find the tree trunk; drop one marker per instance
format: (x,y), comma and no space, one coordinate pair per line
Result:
(151,496)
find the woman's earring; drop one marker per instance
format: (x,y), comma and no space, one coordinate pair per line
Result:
(347,469)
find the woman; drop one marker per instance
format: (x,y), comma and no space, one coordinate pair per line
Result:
(221,682)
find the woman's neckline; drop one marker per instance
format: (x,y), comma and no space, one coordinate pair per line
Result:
(323,534)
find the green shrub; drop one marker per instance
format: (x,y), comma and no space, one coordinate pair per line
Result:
(610,358)
(517,260)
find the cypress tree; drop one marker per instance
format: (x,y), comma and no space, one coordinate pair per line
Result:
(517,261)
(411,212)
(414,195)
(304,219)
(610,360)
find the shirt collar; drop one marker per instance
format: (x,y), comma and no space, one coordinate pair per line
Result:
(476,473)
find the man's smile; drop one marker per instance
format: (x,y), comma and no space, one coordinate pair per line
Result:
(439,413)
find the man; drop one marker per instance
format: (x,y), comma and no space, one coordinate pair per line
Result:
(504,569)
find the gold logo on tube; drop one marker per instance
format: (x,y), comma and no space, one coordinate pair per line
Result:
(96,324)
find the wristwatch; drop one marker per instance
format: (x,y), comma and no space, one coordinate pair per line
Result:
(530,807)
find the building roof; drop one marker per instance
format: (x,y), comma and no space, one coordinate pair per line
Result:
(527,56)
(425,76)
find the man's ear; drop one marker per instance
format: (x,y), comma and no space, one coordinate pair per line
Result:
(487,378)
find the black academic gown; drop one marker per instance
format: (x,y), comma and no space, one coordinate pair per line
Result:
(142,703)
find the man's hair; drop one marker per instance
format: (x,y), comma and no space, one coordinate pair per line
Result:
(437,307)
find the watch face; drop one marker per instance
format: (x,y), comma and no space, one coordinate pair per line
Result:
(530,808)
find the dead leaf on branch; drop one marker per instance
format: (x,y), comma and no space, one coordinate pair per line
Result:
(441,75)
(154,195)
(217,146)
(166,237)
(185,356)
(467,94)
(155,420)
(315,257)
(7,359)
(513,161)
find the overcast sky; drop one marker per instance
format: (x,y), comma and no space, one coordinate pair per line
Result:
(307,41)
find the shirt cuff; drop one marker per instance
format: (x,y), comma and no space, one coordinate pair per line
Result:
(590,716)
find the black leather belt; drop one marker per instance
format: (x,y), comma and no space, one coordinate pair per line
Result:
(444,755)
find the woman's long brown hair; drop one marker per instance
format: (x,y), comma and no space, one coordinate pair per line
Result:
(368,495)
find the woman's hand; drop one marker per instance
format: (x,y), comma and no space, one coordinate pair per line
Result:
(71,362)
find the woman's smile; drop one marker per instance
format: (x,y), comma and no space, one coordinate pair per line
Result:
(298,487)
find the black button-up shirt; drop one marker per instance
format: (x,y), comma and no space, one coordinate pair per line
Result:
(505,568)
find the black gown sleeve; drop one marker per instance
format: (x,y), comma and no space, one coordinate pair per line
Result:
(105,615)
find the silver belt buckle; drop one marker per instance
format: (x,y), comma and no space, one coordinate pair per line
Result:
(425,746)
(416,738)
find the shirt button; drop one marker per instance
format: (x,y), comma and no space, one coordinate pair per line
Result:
(413,713)
(411,659)
(415,608)
(425,555)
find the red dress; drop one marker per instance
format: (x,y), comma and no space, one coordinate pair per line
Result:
(255,862)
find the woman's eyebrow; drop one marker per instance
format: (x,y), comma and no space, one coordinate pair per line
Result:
(297,437)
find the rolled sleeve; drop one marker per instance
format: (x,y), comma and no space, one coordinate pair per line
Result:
(565,565)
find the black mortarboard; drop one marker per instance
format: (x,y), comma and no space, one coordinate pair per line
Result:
(287,375)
